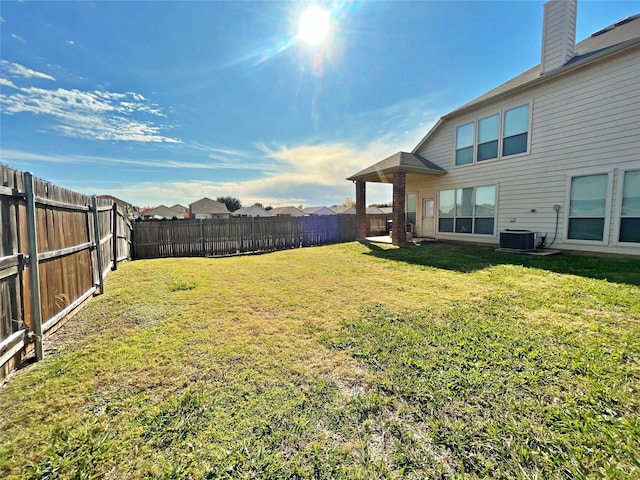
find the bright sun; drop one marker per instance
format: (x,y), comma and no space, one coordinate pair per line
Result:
(314,25)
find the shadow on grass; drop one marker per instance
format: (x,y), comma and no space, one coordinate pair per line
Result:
(465,259)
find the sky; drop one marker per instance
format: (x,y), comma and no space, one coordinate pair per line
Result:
(168,102)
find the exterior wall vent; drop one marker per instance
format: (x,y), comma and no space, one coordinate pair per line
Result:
(522,240)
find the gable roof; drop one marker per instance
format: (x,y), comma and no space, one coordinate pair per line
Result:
(252,210)
(206,205)
(291,211)
(318,211)
(398,162)
(374,211)
(619,36)
(343,210)
(178,207)
(159,211)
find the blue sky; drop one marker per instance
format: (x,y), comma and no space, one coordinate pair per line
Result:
(168,102)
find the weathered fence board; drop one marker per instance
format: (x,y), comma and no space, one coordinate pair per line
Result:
(211,237)
(49,257)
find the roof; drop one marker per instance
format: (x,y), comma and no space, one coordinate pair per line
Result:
(398,162)
(177,206)
(343,210)
(253,209)
(374,211)
(291,210)
(623,34)
(160,211)
(318,211)
(206,205)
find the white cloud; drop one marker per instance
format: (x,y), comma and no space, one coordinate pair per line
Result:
(96,115)
(17,70)
(70,42)
(7,83)
(18,38)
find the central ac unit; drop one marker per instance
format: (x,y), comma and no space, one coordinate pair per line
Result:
(522,240)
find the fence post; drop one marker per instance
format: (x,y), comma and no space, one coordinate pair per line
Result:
(34,268)
(204,254)
(114,237)
(96,232)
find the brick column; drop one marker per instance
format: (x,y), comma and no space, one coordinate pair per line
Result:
(361,208)
(399,215)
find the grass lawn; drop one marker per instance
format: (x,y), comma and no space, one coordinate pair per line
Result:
(346,361)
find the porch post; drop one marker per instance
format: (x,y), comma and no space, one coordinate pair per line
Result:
(361,208)
(399,228)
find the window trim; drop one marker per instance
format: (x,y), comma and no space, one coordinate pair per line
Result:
(607,207)
(617,219)
(473,216)
(476,124)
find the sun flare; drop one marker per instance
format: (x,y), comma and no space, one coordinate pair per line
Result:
(314,25)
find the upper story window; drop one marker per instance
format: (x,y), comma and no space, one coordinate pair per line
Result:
(488,134)
(496,136)
(515,130)
(464,144)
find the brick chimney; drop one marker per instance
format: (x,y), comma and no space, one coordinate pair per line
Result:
(558,33)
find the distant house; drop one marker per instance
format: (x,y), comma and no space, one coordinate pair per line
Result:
(207,208)
(318,211)
(551,157)
(125,206)
(252,211)
(181,210)
(159,213)
(343,210)
(374,211)
(386,210)
(286,212)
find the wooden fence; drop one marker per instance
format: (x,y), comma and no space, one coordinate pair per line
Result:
(56,248)
(211,237)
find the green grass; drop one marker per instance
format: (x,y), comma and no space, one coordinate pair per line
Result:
(346,361)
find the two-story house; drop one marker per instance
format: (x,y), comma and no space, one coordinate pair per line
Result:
(554,151)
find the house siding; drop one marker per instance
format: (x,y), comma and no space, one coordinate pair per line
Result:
(583,122)
(559,33)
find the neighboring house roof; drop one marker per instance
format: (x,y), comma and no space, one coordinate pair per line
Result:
(318,211)
(374,211)
(115,200)
(386,210)
(290,211)
(161,211)
(618,36)
(178,208)
(342,210)
(207,206)
(401,161)
(252,211)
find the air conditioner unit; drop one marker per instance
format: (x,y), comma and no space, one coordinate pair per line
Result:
(523,240)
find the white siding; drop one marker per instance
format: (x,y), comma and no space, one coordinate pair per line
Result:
(583,122)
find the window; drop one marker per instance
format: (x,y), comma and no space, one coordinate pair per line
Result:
(464,144)
(446,210)
(411,208)
(630,214)
(467,210)
(587,206)
(489,143)
(516,128)
(485,214)
(488,132)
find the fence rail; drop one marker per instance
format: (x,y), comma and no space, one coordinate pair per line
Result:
(56,248)
(211,237)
